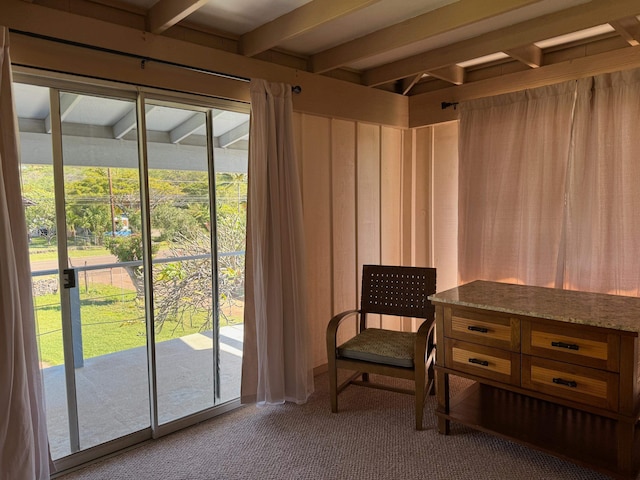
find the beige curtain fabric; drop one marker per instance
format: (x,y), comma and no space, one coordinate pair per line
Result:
(24,453)
(276,365)
(513,153)
(549,186)
(603,197)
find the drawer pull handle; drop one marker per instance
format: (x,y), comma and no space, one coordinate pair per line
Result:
(484,363)
(566,383)
(477,329)
(570,346)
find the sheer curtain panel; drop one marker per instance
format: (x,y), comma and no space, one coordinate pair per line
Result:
(513,152)
(276,365)
(23,433)
(603,196)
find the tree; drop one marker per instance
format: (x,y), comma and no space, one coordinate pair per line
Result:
(183,289)
(40,214)
(129,249)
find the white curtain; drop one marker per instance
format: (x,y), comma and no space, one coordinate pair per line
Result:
(513,154)
(550,186)
(603,197)
(276,365)
(24,452)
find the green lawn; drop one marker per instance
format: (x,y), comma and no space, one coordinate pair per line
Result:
(111,321)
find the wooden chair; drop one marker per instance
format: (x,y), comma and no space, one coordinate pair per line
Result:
(388,290)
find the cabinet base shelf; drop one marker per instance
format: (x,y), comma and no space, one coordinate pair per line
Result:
(580,437)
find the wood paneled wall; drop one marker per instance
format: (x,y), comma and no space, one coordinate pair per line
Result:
(365,191)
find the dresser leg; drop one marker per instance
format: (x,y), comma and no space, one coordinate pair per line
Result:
(626,434)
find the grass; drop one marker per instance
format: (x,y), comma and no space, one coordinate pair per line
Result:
(112,321)
(40,251)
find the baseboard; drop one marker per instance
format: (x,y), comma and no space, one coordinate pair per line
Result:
(320,369)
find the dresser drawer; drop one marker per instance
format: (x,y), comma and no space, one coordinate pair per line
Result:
(572,382)
(572,343)
(493,330)
(487,362)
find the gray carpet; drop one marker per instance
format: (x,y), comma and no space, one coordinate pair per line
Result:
(372,437)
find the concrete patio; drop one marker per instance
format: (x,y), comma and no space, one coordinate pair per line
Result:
(113,393)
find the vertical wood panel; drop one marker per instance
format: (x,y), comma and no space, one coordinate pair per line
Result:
(408,195)
(316,188)
(445,204)
(422,236)
(343,206)
(390,195)
(390,205)
(368,198)
(408,204)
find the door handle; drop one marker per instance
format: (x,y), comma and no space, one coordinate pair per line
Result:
(69,278)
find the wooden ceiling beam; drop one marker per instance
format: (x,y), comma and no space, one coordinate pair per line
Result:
(548,26)
(166,13)
(296,22)
(529,55)
(409,82)
(428,25)
(451,73)
(629,29)
(425,108)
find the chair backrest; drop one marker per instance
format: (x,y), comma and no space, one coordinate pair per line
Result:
(395,290)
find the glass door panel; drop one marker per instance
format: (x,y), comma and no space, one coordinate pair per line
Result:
(38,198)
(102,206)
(184,303)
(230,136)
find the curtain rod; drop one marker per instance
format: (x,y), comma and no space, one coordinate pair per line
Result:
(449,104)
(143,60)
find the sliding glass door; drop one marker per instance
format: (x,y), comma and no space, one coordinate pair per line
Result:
(138,273)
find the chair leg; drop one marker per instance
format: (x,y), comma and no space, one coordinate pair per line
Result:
(333,385)
(421,385)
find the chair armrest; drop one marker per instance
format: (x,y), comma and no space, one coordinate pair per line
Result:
(334,323)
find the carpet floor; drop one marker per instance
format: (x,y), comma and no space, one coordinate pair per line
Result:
(372,437)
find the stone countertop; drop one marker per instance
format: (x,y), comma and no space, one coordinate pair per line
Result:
(597,309)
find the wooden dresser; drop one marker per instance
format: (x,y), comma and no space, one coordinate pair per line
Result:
(555,370)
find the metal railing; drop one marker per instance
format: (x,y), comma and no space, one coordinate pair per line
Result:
(74,291)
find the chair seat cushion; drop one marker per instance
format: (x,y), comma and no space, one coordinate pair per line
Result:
(378,345)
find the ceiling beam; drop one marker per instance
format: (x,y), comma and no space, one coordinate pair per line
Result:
(529,55)
(186,128)
(68,102)
(128,122)
(166,13)
(296,22)
(409,82)
(241,132)
(629,29)
(451,73)
(428,25)
(425,108)
(548,26)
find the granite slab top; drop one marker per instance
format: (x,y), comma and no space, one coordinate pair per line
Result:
(596,309)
